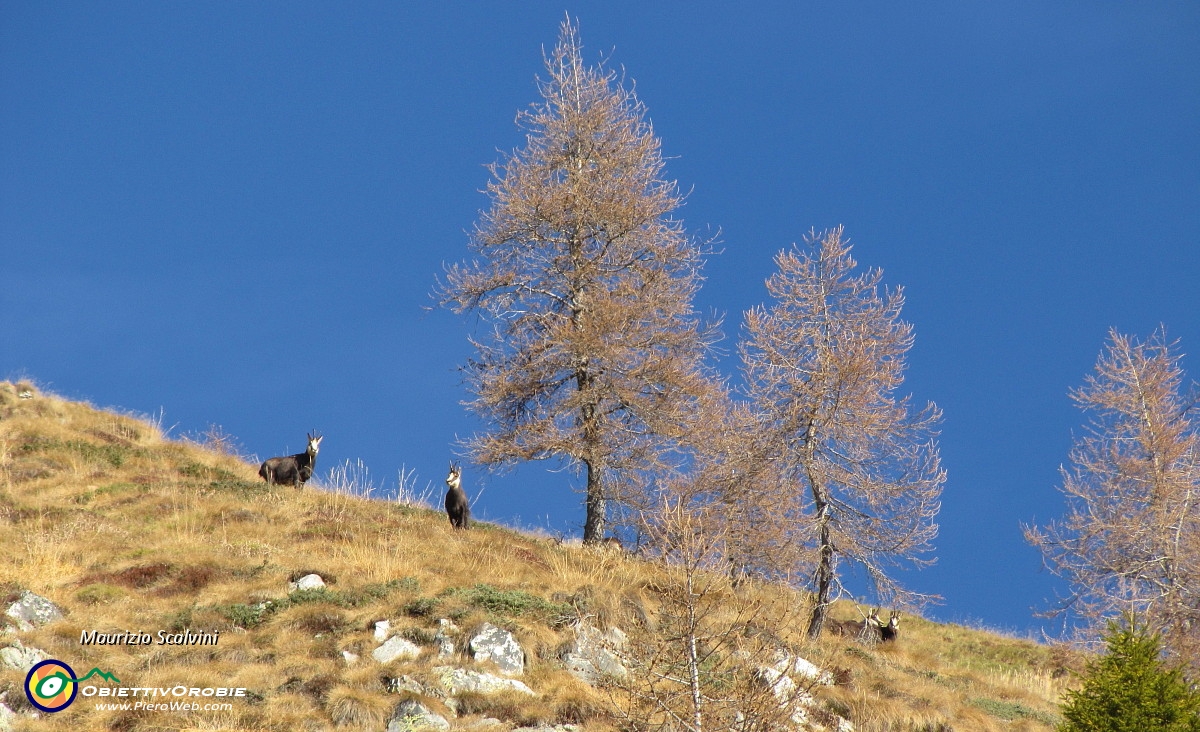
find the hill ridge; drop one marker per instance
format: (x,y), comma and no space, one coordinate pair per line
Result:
(126,529)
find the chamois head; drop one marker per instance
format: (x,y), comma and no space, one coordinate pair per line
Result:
(314,443)
(454,479)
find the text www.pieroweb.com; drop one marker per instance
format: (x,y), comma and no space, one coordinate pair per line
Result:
(175,706)
(193,699)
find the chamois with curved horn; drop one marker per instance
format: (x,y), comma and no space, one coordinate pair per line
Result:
(458,508)
(865,631)
(870,634)
(889,632)
(292,469)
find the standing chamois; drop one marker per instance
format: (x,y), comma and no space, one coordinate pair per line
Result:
(293,469)
(457,506)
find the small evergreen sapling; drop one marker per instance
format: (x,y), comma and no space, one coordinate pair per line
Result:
(1129,689)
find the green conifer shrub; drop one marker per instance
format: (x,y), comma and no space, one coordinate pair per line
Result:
(1130,689)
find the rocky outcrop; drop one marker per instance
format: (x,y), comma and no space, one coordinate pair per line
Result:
(457,681)
(405,684)
(595,654)
(792,678)
(31,611)
(447,632)
(413,716)
(17,656)
(500,647)
(8,718)
(396,649)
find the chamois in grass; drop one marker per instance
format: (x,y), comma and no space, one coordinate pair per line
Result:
(292,469)
(879,630)
(888,632)
(847,628)
(870,630)
(863,631)
(457,506)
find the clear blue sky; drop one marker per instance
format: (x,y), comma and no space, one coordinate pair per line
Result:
(235,212)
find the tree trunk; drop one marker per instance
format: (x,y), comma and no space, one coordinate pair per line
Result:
(595,522)
(824,576)
(596,502)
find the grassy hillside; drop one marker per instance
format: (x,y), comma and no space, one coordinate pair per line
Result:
(128,531)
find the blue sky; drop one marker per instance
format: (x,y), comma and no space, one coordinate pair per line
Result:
(234,213)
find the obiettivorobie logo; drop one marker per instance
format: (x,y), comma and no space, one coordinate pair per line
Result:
(51,685)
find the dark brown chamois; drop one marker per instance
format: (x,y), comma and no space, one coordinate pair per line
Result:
(293,469)
(457,506)
(865,631)
(888,633)
(847,628)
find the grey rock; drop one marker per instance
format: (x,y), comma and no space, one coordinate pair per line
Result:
(8,718)
(595,654)
(500,647)
(444,638)
(30,611)
(350,658)
(412,715)
(20,658)
(792,678)
(458,680)
(801,668)
(383,629)
(307,582)
(396,649)
(404,684)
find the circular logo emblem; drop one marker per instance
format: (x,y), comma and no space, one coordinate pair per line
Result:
(50,686)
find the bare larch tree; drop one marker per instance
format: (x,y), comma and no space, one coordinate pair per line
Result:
(593,353)
(851,470)
(1130,540)
(711,657)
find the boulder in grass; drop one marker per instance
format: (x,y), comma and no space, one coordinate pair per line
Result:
(307,582)
(458,681)
(396,649)
(20,658)
(31,611)
(383,630)
(413,716)
(595,654)
(500,647)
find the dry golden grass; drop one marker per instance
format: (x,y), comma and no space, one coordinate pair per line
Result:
(128,530)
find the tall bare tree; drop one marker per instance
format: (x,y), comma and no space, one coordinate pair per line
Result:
(851,470)
(1130,540)
(594,354)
